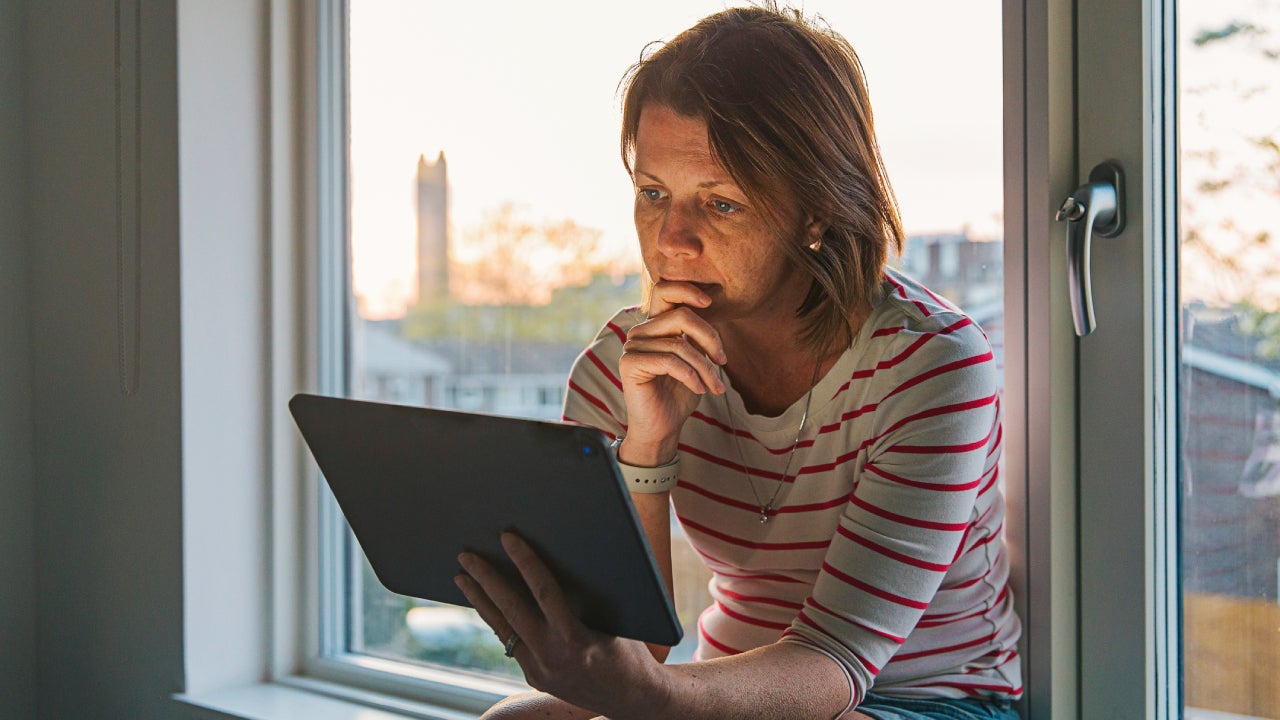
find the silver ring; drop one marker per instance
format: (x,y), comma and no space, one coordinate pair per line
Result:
(509,647)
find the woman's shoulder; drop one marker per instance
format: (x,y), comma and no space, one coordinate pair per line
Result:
(595,390)
(614,332)
(919,329)
(909,310)
(603,352)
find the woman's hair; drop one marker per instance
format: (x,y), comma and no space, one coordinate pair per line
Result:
(788,116)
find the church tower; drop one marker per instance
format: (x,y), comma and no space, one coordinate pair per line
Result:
(433,228)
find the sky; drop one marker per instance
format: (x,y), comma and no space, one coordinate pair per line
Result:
(522,98)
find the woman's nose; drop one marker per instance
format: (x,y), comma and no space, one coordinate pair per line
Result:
(679,234)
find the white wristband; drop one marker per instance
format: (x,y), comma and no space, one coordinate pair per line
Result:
(647,479)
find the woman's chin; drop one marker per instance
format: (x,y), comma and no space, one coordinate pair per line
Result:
(720,310)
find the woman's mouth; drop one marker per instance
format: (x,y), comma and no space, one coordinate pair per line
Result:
(706,287)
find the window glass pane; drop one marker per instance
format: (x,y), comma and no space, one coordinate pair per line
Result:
(491,216)
(1229,106)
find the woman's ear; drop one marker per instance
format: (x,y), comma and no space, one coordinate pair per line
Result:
(814,229)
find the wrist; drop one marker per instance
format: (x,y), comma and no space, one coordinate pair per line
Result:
(650,697)
(642,453)
(647,479)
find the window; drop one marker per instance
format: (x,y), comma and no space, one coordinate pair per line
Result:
(1176,521)
(490,234)
(1230,372)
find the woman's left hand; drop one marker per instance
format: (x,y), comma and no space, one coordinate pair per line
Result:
(559,655)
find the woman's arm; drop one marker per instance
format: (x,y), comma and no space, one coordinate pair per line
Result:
(779,681)
(621,679)
(536,706)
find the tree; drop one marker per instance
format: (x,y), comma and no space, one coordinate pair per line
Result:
(516,280)
(509,259)
(1230,167)
(1230,171)
(572,316)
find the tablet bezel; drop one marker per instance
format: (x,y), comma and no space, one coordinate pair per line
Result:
(419,485)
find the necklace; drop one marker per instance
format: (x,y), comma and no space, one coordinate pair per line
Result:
(766,508)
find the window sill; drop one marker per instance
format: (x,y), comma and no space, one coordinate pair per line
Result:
(297,697)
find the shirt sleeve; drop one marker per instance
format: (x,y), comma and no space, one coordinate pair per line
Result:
(594,396)
(936,432)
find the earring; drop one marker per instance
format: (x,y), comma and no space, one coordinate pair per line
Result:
(816,246)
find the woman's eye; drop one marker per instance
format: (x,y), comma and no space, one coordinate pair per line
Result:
(651,194)
(723,206)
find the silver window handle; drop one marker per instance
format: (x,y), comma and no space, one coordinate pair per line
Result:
(1096,207)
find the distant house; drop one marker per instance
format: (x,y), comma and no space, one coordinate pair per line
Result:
(968,271)
(504,359)
(1231,460)
(388,368)
(525,379)
(517,378)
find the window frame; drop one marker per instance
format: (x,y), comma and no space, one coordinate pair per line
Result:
(326,307)
(1127,449)
(1040,411)
(1092,434)
(1042,149)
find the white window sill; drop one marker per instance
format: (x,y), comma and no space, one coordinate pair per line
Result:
(298,697)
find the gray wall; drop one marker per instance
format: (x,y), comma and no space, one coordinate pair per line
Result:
(17,487)
(122,398)
(107,450)
(135,274)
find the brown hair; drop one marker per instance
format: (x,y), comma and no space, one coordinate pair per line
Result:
(789,118)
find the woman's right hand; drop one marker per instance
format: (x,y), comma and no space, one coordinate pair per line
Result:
(668,362)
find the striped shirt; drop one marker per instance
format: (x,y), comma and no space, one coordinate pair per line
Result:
(886,551)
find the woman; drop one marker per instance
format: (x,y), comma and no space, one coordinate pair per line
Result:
(834,426)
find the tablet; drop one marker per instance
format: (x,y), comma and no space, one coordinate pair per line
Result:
(419,485)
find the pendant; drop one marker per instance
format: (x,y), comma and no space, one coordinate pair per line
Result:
(764,514)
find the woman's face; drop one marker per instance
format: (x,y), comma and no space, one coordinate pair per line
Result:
(696,225)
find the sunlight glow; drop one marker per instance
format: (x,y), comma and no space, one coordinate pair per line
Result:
(521,97)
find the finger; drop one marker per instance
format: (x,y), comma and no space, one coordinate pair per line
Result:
(683,321)
(706,371)
(484,607)
(544,586)
(511,605)
(643,368)
(667,294)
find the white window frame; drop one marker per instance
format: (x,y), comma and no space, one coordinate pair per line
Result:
(1127,373)
(1091,436)
(307,641)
